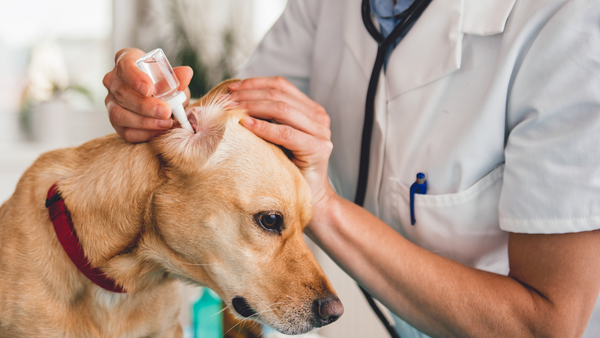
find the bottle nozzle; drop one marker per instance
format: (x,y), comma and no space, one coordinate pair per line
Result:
(176,104)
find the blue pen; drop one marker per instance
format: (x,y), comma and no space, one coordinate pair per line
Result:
(419,187)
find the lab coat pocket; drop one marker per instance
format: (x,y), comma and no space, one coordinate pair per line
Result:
(463,226)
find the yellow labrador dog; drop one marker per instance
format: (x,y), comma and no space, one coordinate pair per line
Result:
(99,253)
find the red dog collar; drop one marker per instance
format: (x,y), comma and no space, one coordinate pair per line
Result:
(63,226)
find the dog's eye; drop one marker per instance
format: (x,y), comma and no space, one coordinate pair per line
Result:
(269,220)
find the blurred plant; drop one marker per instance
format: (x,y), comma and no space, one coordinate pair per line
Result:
(210,36)
(48,80)
(187,55)
(202,81)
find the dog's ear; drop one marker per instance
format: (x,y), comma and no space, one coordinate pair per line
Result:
(220,89)
(181,150)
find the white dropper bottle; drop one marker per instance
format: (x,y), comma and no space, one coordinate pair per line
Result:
(166,84)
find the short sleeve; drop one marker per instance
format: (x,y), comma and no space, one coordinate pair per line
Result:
(552,174)
(287,48)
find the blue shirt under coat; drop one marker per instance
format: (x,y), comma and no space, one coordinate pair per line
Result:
(384,11)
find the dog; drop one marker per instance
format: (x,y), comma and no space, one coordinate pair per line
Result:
(220,208)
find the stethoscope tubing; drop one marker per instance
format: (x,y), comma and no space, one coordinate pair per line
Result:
(409,17)
(412,14)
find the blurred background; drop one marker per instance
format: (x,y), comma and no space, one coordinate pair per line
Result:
(53,56)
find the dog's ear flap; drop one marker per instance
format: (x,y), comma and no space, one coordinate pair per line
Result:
(213,94)
(183,151)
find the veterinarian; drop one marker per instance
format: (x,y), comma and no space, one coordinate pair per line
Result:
(497,102)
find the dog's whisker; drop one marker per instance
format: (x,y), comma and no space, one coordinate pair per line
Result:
(253,317)
(254,324)
(268,308)
(198,264)
(217,313)
(233,327)
(241,327)
(262,331)
(213,316)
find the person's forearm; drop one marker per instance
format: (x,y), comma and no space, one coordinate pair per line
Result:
(436,295)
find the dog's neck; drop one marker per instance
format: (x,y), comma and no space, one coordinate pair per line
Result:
(109,196)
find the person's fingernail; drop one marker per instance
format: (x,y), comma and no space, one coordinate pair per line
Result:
(144,89)
(234,85)
(164,123)
(162,112)
(247,121)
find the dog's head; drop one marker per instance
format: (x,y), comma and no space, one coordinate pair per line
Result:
(231,215)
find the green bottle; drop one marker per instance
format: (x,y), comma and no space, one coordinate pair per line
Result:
(207,317)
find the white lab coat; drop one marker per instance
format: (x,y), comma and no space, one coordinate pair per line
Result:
(496,101)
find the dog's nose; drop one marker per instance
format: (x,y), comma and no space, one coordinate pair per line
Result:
(328,309)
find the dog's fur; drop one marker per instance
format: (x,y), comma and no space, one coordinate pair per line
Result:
(179,207)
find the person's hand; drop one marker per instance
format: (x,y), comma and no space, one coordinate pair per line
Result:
(133,112)
(303,127)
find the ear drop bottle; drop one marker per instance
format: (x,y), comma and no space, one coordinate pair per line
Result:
(158,68)
(207,315)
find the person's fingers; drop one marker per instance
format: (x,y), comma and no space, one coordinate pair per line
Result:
(124,118)
(278,83)
(299,143)
(274,82)
(283,113)
(270,95)
(131,100)
(130,74)
(271,82)
(184,75)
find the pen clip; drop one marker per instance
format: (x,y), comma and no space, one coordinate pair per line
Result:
(419,187)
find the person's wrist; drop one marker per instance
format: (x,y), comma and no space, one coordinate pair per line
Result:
(323,211)
(329,197)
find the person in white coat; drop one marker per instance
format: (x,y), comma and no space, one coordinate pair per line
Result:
(496,101)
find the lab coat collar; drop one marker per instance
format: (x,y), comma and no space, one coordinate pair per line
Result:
(433,47)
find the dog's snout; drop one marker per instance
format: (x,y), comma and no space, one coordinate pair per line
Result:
(328,309)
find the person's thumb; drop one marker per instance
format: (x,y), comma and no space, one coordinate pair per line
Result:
(184,74)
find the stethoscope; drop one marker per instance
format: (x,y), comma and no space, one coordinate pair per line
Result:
(408,17)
